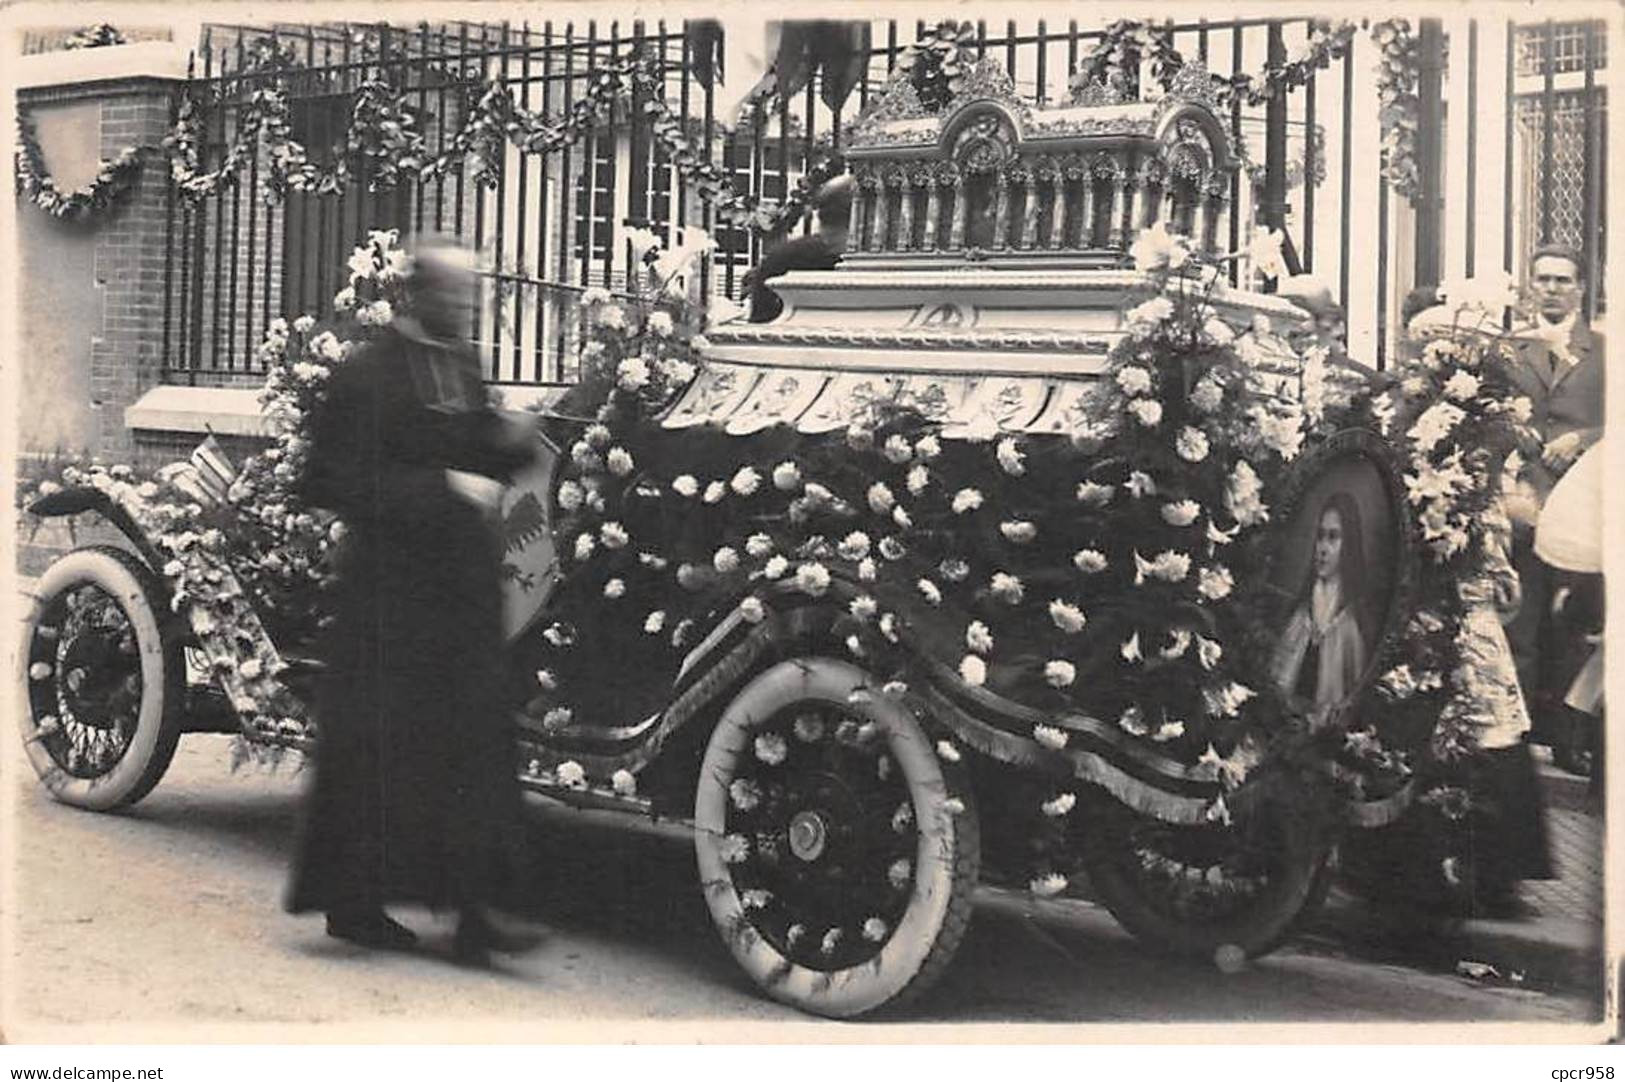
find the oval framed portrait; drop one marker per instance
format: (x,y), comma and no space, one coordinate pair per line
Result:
(1343,569)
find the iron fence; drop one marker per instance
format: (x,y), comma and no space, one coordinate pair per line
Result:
(552,224)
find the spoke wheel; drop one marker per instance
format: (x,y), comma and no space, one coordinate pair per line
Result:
(1197,890)
(837,854)
(101,680)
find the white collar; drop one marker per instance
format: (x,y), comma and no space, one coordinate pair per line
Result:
(1324,602)
(1559,333)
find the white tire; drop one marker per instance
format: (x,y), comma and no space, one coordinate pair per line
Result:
(101,679)
(831,813)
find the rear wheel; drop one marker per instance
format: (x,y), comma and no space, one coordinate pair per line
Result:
(103,679)
(1211,890)
(838,854)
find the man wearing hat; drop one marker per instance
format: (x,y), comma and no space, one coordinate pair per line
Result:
(816,251)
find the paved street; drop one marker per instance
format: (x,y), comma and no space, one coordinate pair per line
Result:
(171,912)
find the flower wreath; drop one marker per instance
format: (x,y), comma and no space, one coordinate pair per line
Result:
(113,179)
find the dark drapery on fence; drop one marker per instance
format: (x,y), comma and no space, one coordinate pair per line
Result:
(550,225)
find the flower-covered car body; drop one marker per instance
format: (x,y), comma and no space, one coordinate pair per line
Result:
(982,562)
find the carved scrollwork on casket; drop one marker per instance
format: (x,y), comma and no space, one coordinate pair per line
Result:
(984,144)
(1192,83)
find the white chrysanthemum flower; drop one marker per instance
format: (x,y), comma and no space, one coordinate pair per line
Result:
(1181,513)
(744,794)
(930,591)
(624,782)
(615,589)
(1050,737)
(1018,533)
(771,748)
(1094,493)
(1208,652)
(746,482)
(752,610)
(620,461)
(918,478)
(660,324)
(1140,484)
(632,374)
(867,570)
(758,545)
(1134,380)
(598,436)
(1168,730)
(1059,805)
(1207,395)
(586,545)
(812,579)
(897,450)
(1147,411)
(725,560)
(1215,583)
(1132,721)
(880,497)
(863,607)
(947,752)
(854,546)
(546,680)
(1060,674)
(1143,317)
(654,623)
(954,569)
(571,775)
(966,499)
(734,849)
(786,477)
(978,637)
(927,448)
(775,568)
(973,670)
(687,486)
(875,930)
(714,492)
(1089,561)
(613,535)
(1191,444)
(1007,587)
(1067,616)
(1048,886)
(1011,460)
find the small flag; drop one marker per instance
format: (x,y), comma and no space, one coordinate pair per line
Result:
(215,471)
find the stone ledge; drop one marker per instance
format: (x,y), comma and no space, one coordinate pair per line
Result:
(141,60)
(226,411)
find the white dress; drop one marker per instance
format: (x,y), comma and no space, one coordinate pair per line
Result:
(1492,699)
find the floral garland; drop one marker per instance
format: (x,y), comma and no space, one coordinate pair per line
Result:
(383,133)
(937,62)
(113,179)
(1115,61)
(1398,75)
(95,37)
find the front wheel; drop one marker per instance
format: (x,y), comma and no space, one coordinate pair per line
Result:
(1211,890)
(102,679)
(837,852)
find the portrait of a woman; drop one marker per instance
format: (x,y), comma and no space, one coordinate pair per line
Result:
(1327,640)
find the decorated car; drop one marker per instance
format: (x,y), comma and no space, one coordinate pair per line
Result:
(993,559)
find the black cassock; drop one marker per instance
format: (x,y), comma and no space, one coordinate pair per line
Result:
(415,797)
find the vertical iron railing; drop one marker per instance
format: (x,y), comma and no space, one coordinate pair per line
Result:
(547,226)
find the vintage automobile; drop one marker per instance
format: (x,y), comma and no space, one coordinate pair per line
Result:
(841,822)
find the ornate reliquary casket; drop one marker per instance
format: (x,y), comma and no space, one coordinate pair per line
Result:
(987,269)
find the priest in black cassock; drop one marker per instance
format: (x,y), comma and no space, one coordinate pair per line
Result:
(415,798)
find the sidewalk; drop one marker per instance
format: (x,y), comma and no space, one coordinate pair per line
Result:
(1559,944)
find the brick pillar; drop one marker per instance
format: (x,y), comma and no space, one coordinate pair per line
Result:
(116,286)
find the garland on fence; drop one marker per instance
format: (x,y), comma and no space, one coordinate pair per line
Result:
(937,62)
(1115,61)
(113,179)
(384,143)
(94,37)
(1400,114)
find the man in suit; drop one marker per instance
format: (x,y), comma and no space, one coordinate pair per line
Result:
(1559,365)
